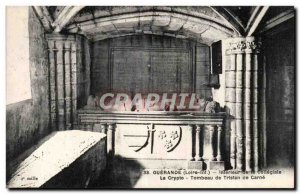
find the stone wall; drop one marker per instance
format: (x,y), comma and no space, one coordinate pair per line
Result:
(28,121)
(144,46)
(279,51)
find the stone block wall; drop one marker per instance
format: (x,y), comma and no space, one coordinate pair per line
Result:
(28,121)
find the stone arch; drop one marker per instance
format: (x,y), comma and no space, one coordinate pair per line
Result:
(202,24)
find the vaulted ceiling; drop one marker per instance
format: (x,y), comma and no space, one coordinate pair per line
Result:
(201,23)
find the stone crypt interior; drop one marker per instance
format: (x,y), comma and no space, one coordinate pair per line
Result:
(240,61)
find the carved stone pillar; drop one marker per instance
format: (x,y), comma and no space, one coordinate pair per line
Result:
(216,162)
(60,83)
(237,48)
(247,104)
(261,101)
(197,161)
(64,52)
(252,49)
(68,84)
(211,140)
(219,143)
(190,156)
(198,144)
(52,82)
(230,99)
(243,53)
(74,75)
(255,95)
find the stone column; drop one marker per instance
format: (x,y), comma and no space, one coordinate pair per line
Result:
(197,161)
(211,137)
(219,144)
(68,84)
(198,143)
(230,99)
(52,83)
(253,135)
(110,140)
(262,112)
(248,101)
(238,50)
(74,75)
(63,79)
(60,82)
(243,53)
(254,46)
(190,156)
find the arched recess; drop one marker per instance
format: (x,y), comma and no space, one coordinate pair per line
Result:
(199,24)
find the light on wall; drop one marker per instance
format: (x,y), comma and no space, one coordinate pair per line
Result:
(17,54)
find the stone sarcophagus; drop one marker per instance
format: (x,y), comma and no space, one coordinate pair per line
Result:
(162,139)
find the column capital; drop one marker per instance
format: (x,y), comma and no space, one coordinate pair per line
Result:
(239,45)
(253,45)
(111,126)
(220,127)
(211,127)
(198,127)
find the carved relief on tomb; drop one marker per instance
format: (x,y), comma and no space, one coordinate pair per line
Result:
(167,139)
(150,140)
(170,138)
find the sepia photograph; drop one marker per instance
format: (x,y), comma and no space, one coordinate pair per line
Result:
(150,97)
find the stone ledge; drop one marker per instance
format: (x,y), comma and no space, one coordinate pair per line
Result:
(55,153)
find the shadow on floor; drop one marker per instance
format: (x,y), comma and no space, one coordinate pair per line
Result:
(120,173)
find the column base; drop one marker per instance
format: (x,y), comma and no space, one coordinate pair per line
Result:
(216,165)
(195,165)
